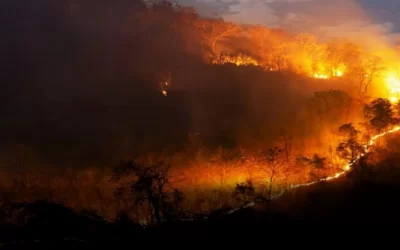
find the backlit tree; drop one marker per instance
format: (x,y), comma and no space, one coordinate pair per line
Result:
(379,114)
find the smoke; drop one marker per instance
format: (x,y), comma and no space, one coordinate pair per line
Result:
(326,19)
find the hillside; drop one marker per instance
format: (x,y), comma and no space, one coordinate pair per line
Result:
(126,122)
(366,196)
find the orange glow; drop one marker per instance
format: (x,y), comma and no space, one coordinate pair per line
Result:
(322,72)
(361,59)
(394,99)
(238,60)
(393,85)
(320,76)
(219,176)
(348,166)
(164,92)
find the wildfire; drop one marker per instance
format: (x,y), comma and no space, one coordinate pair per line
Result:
(249,61)
(338,73)
(235,59)
(393,84)
(320,76)
(348,166)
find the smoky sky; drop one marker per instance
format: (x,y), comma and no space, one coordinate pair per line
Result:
(328,18)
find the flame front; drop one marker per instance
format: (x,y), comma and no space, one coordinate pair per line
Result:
(347,167)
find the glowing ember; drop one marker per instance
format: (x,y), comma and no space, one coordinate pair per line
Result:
(164,92)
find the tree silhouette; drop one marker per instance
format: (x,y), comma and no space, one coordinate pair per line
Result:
(379,114)
(272,163)
(244,192)
(366,72)
(348,130)
(349,148)
(150,184)
(214,31)
(316,162)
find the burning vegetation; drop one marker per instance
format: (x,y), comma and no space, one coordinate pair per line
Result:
(285,137)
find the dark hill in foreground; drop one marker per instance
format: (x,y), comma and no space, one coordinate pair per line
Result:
(353,200)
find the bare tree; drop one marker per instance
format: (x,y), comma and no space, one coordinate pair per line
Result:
(248,162)
(214,31)
(273,166)
(223,163)
(149,184)
(280,56)
(287,143)
(365,74)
